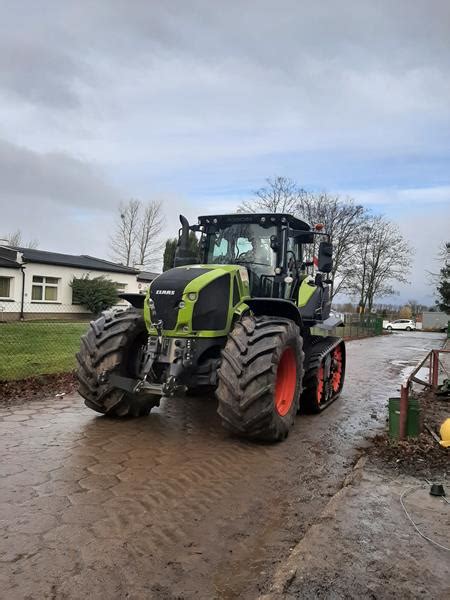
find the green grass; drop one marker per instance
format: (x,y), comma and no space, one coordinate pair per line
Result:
(38,348)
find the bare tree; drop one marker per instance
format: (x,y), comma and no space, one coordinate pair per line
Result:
(123,240)
(149,244)
(441,280)
(416,307)
(280,195)
(136,240)
(443,283)
(380,256)
(15,240)
(341,218)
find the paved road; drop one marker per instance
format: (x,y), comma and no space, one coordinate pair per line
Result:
(170,506)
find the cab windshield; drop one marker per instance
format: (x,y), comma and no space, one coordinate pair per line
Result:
(243,243)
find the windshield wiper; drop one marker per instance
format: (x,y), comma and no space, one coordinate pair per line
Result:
(251,262)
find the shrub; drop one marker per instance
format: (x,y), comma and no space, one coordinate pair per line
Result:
(95,294)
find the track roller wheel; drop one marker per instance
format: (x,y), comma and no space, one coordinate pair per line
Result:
(323,380)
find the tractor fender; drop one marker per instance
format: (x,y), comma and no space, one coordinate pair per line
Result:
(136,300)
(275,307)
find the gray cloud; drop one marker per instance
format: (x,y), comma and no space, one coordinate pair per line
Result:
(55,177)
(64,202)
(103,100)
(36,72)
(308,52)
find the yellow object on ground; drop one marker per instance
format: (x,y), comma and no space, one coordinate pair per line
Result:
(445,433)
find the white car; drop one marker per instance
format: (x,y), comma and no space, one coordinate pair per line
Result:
(405,324)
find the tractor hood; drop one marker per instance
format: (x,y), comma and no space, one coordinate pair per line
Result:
(195,299)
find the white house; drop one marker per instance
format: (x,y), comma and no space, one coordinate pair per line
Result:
(36,284)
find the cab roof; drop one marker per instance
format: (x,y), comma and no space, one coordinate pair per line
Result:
(257,218)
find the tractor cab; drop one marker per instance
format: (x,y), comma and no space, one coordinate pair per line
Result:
(253,245)
(275,249)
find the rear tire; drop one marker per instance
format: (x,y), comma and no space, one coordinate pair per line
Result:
(112,343)
(260,378)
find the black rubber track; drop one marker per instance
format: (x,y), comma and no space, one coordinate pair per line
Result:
(247,377)
(111,344)
(316,352)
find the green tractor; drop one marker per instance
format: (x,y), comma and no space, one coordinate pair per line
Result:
(236,320)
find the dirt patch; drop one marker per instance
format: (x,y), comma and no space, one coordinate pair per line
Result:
(37,388)
(364,546)
(422,456)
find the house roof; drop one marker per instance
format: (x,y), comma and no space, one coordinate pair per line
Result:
(9,258)
(82,261)
(7,262)
(147,276)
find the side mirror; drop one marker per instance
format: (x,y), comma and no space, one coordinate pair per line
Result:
(274,244)
(325,257)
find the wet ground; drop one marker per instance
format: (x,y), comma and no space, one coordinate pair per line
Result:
(170,506)
(364,546)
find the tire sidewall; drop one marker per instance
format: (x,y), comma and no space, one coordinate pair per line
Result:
(111,345)
(126,367)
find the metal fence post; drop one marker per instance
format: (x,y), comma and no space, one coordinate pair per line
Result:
(404,397)
(378,329)
(435,363)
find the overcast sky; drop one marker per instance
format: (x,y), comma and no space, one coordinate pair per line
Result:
(197,102)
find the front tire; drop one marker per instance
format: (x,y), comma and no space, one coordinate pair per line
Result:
(389,328)
(112,343)
(260,378)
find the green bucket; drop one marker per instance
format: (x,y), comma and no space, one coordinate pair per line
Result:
(413,422)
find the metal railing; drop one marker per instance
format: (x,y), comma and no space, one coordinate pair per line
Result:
(434,366)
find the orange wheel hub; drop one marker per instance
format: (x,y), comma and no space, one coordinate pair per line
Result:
(286,382)
(320,383)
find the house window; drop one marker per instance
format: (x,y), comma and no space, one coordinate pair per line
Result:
(5,287)
(45,289)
